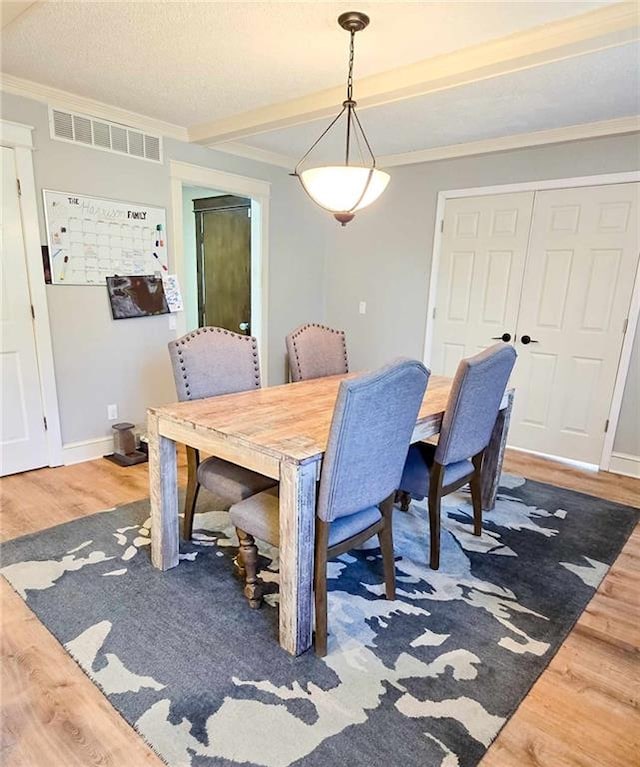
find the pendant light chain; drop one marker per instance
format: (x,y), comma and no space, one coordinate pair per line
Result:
(351,57)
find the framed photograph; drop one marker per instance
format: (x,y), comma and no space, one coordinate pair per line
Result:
(136,296)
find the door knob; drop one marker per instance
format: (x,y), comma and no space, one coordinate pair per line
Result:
(506,337)
(244,327)
(528,340)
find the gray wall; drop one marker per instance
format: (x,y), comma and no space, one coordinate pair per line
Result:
(384,256)
(628,432)
(318,271)
(98,361)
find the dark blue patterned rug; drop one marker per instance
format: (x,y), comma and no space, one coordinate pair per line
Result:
(427,680)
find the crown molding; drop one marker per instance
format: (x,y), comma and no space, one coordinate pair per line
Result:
(596,30)
(515,141)
(255,153)
(91,107)
(599,129)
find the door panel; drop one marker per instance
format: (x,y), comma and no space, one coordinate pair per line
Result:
(23,443)
(577,287)
(484,245)
(224,268)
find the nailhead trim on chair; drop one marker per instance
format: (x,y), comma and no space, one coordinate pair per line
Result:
(301,330)
(190,336)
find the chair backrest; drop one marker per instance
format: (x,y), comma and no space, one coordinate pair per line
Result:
(474,401)
(316,351)
(212,361)
(373,420)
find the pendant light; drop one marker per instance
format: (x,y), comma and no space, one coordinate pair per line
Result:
(344,189)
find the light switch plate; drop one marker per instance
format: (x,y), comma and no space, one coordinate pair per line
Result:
(172,322)
(112,412)
(362,308)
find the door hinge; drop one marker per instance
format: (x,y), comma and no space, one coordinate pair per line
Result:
(19,187)
(625,325)
(248,212)
(44,418)
(606,426)
(434,313)
(33,313)
(442,225)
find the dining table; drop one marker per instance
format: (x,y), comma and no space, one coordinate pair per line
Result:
(280,432)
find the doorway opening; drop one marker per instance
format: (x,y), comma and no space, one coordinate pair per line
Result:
(221,249)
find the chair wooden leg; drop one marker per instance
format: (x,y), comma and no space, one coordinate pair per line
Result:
(404,499)
(476,493)
(435,497)
(385,536)
(320,586)
(193,488)
(249,559)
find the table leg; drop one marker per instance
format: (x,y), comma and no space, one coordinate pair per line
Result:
(494,456)
(163,493)
(297,530)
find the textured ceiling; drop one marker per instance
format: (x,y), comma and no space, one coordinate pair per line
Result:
(189,62)
(597,86)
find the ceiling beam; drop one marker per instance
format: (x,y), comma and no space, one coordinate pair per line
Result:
(596,30)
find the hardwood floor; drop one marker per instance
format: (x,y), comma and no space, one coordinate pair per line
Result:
(582,711)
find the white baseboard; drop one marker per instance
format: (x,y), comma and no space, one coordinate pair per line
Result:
(560,459)
(624,463)
(87,450)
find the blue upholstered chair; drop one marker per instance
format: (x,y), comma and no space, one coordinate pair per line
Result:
(206,363)
(316,351)
(373,420)
(468,422)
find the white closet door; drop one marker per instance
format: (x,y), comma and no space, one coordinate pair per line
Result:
(23,442)
(484,246)
(577,287)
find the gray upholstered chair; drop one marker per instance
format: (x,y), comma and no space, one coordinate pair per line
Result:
(434,471)
(316,351)
(373,420)
(206,363)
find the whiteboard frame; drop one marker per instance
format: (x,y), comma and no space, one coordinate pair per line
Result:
(105,199)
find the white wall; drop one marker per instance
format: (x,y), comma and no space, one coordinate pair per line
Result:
(384,256)
(99,361)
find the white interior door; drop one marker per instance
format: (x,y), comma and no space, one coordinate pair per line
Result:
(482,259)
(23,443)
(578,281)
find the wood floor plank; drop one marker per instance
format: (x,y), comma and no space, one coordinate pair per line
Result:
(582,712)
(51,713)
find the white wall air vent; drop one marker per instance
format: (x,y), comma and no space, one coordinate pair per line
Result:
(107,136)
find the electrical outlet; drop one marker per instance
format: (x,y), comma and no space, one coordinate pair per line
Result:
(172,322)
(362,308)
(112,412)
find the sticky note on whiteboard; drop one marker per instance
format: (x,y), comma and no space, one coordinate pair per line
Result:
(172,292)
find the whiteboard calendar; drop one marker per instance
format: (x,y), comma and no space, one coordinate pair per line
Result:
(91,238)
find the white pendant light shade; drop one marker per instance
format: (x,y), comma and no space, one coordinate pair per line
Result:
(344,188)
